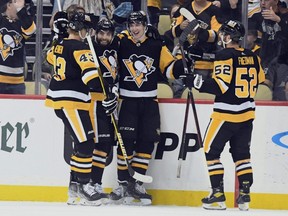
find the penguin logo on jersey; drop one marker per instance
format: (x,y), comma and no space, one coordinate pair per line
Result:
(9,41)
(139,68)
(109,60)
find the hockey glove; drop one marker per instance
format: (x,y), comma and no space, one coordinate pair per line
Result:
(91,20)
(192,80)
(198,81)
(110,103)
(152,32)
(187,80)
(30,7)
(60,23)
(195,52)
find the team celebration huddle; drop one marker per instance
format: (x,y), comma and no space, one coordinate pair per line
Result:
(103,87)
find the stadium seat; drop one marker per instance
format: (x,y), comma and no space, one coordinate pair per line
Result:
(197,94)
(30,88)
(164,90)
(263,93)
(164,23)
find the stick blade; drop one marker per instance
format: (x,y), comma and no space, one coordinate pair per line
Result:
(138,176)
(187,14)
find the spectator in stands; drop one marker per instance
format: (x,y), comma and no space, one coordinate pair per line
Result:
(252,39)
(121,14)
(183,2)
(253,7)
(282,6)
(168,36)
(56,6)
(154,8)
(277,77)
(16,26)
(274,28)
(171,43)
(207,15)
(95,7)
(230,9)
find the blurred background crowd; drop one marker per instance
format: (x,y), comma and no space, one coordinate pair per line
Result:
(265,21)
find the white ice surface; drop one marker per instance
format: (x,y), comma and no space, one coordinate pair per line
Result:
(61,209)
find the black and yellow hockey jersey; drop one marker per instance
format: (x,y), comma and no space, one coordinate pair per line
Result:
(140,65)
(236,76)
(13,34)
(208,20)
(75,72)
(108,62)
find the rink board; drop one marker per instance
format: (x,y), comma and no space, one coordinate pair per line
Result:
(33,157)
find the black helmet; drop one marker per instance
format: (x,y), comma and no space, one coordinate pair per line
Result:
(105,25)
(137,17)
(233,28)
(77,21)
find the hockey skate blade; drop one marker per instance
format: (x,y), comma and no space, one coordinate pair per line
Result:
(214,206)
(105,201)
(116,202)
(85,202)
(73,201)
(137,202)
(244,206)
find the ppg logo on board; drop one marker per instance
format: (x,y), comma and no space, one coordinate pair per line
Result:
(168,142)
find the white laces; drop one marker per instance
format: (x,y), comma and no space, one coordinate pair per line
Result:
(89,189)
(98,188)
(119,190)
(140,188)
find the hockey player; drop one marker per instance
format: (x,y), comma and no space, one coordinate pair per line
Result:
(16,26)
(141,58)
(69,96)
(236,76)
(106,48)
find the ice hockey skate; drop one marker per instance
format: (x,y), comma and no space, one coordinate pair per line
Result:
(215,200)
(103,196)
(243,199)
(136,195)
(88,196)
(73,198)
(118,194)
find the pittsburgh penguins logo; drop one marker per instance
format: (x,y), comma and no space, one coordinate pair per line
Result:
(109,60)
(9,42)
(139,68)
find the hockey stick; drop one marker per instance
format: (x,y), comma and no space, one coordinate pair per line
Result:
(187,14)
(192,27)
(132,172)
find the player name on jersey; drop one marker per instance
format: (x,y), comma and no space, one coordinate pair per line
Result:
(246,60)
